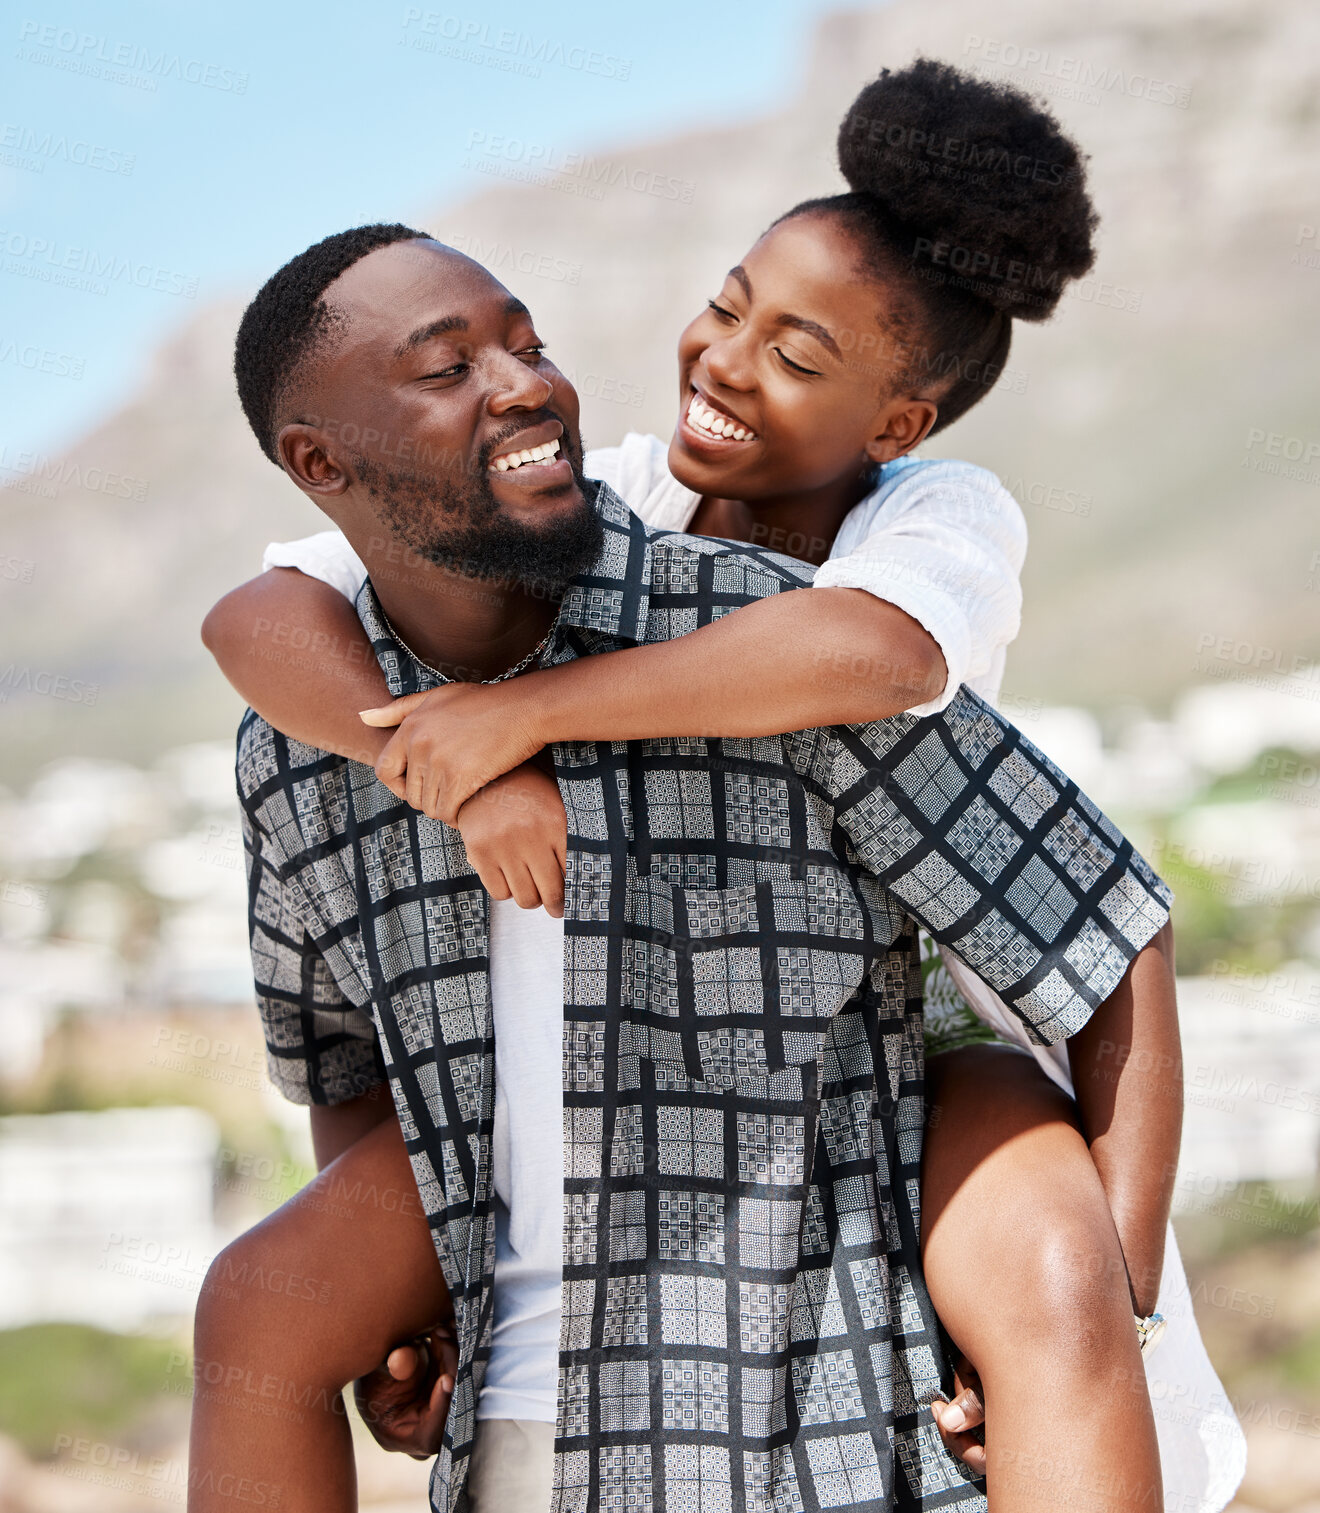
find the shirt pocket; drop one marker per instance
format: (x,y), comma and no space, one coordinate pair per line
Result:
(728,986)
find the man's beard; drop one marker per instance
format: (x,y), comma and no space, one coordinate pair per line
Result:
(483,542)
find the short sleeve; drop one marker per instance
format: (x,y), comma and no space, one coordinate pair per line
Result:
(320,1047)
(326,556)
(945,543)
(998,854)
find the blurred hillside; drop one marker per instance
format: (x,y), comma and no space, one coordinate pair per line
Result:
(1156,431)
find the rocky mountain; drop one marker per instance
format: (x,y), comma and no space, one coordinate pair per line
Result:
(1161,431)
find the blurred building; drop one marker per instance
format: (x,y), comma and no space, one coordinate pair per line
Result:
(105,1218)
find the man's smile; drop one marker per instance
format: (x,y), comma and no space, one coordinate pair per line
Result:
(536,454)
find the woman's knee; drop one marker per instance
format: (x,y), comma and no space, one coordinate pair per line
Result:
(229,1313)
(1074,1281)
(264,1301)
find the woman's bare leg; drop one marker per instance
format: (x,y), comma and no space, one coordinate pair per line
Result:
(1026,1273)
(304,1303)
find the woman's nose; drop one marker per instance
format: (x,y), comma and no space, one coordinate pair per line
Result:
(726,362)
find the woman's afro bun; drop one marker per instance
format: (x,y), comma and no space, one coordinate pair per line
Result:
(988,193)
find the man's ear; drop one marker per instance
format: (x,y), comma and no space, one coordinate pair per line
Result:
(302,451)
(900,426)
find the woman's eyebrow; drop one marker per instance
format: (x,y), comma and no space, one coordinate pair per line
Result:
(812,328)
(798,322)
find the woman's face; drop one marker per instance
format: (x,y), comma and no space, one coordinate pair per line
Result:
(794,363)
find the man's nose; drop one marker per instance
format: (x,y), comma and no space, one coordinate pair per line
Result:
(518,386)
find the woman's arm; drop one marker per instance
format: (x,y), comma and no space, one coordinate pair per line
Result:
(1127,1069)
(791,662)
(296,651)
(794,661)
(336,1126)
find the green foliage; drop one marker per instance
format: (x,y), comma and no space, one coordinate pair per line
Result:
(76,1380)
(1250,1214)
(1299,1363)
(1218,921)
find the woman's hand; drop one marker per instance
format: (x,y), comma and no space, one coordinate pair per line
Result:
(516,834)
(452,741)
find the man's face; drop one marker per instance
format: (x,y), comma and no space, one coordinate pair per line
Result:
(430,396)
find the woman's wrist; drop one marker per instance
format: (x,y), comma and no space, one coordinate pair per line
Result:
(530,704)
(1142,1243)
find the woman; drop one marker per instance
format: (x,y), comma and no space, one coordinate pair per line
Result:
(836,346)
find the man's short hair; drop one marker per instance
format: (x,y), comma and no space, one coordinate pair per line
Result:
(283,326)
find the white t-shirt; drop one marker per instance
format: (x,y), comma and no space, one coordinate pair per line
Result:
(527,1011)
(944,541)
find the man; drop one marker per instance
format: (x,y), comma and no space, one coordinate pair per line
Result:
(743,1322)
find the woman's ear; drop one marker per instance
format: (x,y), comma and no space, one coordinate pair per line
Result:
(306,460)
(900,426)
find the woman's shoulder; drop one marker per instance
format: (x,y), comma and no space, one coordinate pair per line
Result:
(929,473)
(326,555)
(962,494)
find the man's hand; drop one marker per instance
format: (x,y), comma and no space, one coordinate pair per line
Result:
(452,741)
(960,1421)
(405,1402)
(516,834)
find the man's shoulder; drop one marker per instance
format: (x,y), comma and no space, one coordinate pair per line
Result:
(268,762)
(256,760)
(726,572)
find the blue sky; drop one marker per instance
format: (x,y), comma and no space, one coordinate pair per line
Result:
(154,157)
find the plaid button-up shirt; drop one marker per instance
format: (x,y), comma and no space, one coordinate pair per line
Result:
(744,1324)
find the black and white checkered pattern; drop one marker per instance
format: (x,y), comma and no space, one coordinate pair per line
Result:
(744,1321)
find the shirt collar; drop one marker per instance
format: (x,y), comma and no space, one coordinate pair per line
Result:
(611,597)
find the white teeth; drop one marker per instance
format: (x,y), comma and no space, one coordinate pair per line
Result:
(715,424)
(543,453)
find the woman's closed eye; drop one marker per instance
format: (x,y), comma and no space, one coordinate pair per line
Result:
(796,366)
(718,309)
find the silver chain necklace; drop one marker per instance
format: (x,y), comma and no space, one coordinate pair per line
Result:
(435,672)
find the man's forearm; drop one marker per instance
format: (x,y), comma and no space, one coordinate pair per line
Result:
(796,660)
(1127,1072)
(337,1126)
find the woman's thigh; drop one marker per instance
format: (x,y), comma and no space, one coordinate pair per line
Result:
(343,1271)
(1019,1247)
